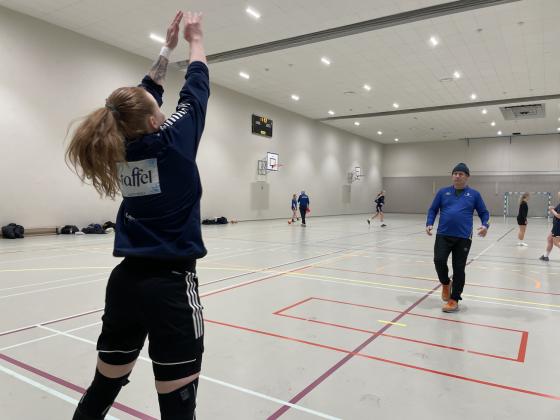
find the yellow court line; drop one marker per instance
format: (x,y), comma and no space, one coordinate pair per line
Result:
(54,269)
(391,323)
(320,276)
(548,305)
(396,286)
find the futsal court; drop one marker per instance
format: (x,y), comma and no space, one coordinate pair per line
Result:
(333,321)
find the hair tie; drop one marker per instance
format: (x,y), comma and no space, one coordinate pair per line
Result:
(112,108)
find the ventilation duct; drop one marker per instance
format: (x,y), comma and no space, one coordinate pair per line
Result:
(523,112)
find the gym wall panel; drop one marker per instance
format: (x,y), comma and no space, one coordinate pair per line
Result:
(52,76)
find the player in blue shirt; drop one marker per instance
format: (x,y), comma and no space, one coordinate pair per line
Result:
(294,208)
(129,147)
(303,201)
(553,238)
(456,205)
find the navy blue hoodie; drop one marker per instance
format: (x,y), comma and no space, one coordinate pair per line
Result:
(159,216)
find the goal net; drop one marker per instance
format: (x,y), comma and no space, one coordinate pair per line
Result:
(538,203)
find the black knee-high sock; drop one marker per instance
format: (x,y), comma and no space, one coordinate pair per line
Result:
(179,404)
(99,397)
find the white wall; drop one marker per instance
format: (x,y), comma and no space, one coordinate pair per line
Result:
(491,156)
(413,172)
(51,76)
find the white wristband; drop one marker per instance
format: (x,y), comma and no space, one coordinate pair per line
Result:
(165,52)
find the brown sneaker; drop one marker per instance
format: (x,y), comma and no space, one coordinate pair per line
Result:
(451,306)
(445,292)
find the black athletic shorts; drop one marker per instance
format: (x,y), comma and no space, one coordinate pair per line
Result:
(521,221)
(555,229)
(379,207)
(158,299)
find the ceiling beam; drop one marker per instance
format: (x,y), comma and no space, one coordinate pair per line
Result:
(444,107)
(430,12)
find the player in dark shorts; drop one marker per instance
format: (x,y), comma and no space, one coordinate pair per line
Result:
(522,218)
(379,203)
(129,147)
(553,238)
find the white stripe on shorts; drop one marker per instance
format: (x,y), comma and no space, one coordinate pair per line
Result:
(194,303)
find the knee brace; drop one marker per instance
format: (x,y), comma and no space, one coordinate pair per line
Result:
(179,404)
(99,397)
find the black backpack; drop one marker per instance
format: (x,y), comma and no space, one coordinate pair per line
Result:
(108,225)
(69,230)
(93,228)
(12,231)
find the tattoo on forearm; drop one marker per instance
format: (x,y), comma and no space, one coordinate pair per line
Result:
(158,70)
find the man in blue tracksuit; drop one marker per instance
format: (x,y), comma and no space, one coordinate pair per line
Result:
(303,201)
(454,234)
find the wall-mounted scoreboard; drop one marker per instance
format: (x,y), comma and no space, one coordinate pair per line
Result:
(261,126)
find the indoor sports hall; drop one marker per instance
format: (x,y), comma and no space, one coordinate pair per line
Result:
(353,166)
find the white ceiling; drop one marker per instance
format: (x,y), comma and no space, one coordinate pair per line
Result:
(502,52)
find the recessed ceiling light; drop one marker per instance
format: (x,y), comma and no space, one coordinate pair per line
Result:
(325,61)
(244,75)
(395,105)
(253,12)
(295,97)
(485,111)
(331,112)
(493,123)
(499,133)
(456,74)
(473,96)
(380,132)
(396,139)
(356,123)
(157,38)
(368,88)
(434,41)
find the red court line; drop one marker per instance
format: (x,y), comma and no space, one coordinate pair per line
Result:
(434,281)
(520,354)
(428,343)
(414,314)
(70,385)
(347,358)
(278,312)
(389,361)
(235,286)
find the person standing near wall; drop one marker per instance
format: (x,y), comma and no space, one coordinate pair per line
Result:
(294,209)
(129,147)
(456,205)
(522,218)
(379,203)
(553,238)
(303,201)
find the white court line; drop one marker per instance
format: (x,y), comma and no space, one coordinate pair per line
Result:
(51,321)
(269,398)
(48,336)
(44,388)
(16,261)
(52,281)
(217,381)
(46,289)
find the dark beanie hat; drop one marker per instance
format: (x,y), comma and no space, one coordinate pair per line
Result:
(461,167)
